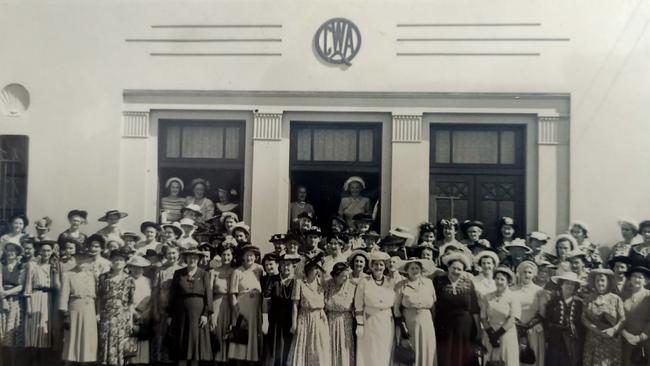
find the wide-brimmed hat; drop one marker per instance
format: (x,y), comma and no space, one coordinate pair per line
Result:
(471,223)
(577,254)
(391,240)
(371,234)
(457,256)
(176,226)
(518,243)
(581,224)
(293,258)
(505,220)
(568,276)
(271,257)
(249,248)
(354,178)
(363,218)
(569,238)
(306,215)
(401,232)
(638,269)
(278,238)
(44,223)
(96,237)
(187,222)
(486,253)
(356,253)
(604,271)
(19,249)
(130,234)
(20,216)
(538,235)
(124,253)
(456,246)
(621,259)
(138,261)
(340,220)
(195,252)
(147,224)
(427,266)
(81,213)
(196,209)
(113,213)
(627,222)
(506,271)
(241,226)
(228,214)
(378,256)
(171,180)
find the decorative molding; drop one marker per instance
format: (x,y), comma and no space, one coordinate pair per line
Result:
(550,131)
(407,127)
(267,126)
(135,124)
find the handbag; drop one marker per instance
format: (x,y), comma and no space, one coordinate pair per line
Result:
(639,356)
(404,354)
(526,354)
(239,333)
(494,362)
(130,347)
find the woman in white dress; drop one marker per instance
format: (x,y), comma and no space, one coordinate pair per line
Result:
(485,262)
(373,304)
(142,312)
(532,299)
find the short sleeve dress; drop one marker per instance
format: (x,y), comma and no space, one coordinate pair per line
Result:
(416,299)
(339,303)
(245,283)
(603,311)
(311,343)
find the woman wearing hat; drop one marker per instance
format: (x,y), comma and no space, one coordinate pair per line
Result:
(112,229)
(629,233)
(11,309)
(359,262)
(172,204)
(161,300)
(532,299)
(76,218)
(200,188)
(150,231)
(226,201)
(143,307)
(227,222)
(311,338)
(427,233)
(77,305)
(636,327)
(473,231)
(517,252)
(42,228)
(564,244)
(507,231)
(500,311)
(246,301)
(447,231)
(580,232)
(17,226)
(95,245)
(641,252)
(220,319)
(115,295)
(603,318)
(578,262)
(620,285)
(485,261)
(353,203)
(373,304)
(42,282)
(339,301)
(241,232)
(457,313)
(277,301)
(414,304)
(563,322)
(170,234)
(335,245)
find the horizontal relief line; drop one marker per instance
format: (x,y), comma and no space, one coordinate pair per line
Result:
(483,39)
(217,26)
(213,54)
(468,54)
(204,40)
(470,25)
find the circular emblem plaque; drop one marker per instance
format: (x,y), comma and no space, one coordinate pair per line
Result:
(337,41)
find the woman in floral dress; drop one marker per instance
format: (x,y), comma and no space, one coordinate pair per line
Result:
(115,295)
(603,317)
(11,312)
(339,301)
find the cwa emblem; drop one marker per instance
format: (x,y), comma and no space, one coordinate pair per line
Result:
(337,41)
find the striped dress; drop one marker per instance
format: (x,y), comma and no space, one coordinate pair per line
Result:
(40,291)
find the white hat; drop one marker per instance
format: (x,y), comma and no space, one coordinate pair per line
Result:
(519,243)
(486,253)
(242,226)
(581,224)
(568,276)
(379,256)
(538,235)
(401,232)
(194,208)
(627,222)
(428,266)
(187,222)
(138,261)
(457,256)
(169,182)
(354,178)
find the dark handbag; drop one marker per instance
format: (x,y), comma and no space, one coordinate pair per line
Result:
(214,343)
(639,356)
(404,354)
(239,333)
(526,354)
(494,362)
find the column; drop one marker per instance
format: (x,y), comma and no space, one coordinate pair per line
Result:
(270,187)
(409,172)
(553,174)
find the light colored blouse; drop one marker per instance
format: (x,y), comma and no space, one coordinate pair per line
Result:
(371,295)
(531,298)
(418,294)
(483,285)
(172,207)
(310,295)
(245,280)
(351,206)
(497,308)
(339,299)
(77,285)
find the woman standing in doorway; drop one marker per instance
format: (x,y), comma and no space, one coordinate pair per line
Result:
(199,190)
(173,203)
(354,203)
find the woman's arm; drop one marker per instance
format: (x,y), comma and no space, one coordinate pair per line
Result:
(342,206)
(295,296)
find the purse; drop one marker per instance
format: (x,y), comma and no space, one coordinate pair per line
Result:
(404,354)
(526,354)
(239,333)
(639,356)
(494,362)
(130,347)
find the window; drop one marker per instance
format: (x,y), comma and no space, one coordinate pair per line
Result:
(484,146)
(13,175)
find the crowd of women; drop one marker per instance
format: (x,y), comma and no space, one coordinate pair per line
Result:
(195,290)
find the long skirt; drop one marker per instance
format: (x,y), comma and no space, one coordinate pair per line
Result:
(311,343)
(160,352)
(39,322)
(191,341)
(249,308)
(536,343)
(375,346)
(221,308)
(563,348)
(114,330)
(454,334)
(277,342)
(11,322)
(142,354)
(601,350)
(631,353)
(80,340)
(421,335)
(342,338)
(508,351)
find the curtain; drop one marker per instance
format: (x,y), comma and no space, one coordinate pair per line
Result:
(475,147)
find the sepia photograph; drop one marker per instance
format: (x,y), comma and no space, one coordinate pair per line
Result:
(324,183)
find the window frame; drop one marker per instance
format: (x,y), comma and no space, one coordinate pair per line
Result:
(5,211)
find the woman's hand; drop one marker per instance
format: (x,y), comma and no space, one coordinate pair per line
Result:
(203,321)
(265,326)
(169,321)
(538,328)
(359,331)
(609,332)
(293,329)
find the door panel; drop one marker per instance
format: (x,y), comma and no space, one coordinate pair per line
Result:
(499,196)
(451,190)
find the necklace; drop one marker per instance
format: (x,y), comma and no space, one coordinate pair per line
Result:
(379,282)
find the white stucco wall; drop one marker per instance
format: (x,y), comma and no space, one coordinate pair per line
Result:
(73,59)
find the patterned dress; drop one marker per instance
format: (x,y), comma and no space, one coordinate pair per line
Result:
(496,309)
(455,329)
(603,311)
(143,310)
(339,302)
(415,299)
(161,286)
(311,343)
(564,331)
(77,237)
(41,290)
(11,312)
(532,299)
(373,305)
(115,295)
(221,278)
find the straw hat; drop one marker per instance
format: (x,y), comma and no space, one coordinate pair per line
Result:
(401,232)
(196,209)
(569,276)
(293,258)
(176,226)
(519,243)
(19,249)
(187,222)
(113,213)
(378,256)
(241,226)
(627,222)
(356,253)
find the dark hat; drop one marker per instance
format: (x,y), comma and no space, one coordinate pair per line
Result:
(19,249)
(314,230)
(420,248)
(306,215)
(130,234)
(112,213)
(81,213)
(506,221)
(362,218)
(195,252)
(639,269)
(124,253)
(273,257)
(644,224)
(339,268)
(427,227)
(27,239)
(249,248)
(97,238)
(392,240)
(148,224)
(371,234)
(293,258)
(467,224)
(49,242)
(278,238)
(150,253)
(340,220)
(342,238)
(315,262)
(621,259)
(20,216)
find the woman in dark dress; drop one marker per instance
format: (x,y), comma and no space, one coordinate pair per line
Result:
(73,233)
(190,306)
(457,313)
(276,317)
